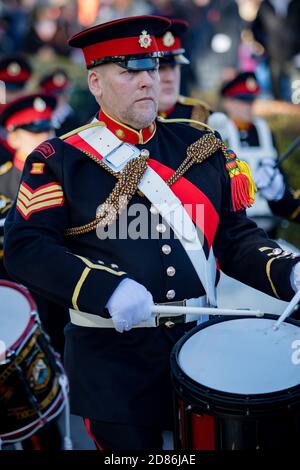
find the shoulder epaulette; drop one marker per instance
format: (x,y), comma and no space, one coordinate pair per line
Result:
(189,101)
(82,128)
(5,168)
(185,121)
(5,204)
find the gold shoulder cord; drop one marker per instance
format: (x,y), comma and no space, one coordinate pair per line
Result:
(122,193)
(130,177)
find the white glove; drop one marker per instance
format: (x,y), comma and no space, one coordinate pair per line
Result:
(295,277)
(269,180)
(130,304)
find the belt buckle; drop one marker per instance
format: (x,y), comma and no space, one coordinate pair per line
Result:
(170,321)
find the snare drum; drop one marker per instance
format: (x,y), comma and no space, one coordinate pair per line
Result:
(30,393)
(237,385)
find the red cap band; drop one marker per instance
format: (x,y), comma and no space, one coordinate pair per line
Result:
(242,89)
(117,47)
(23,76)
(165,48)
(27,116)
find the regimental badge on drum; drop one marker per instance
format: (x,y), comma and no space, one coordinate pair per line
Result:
(145,39)
(39,373)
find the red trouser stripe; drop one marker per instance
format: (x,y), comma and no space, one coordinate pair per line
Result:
(87,423)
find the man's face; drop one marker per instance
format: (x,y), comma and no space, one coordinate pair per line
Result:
(128,97)
(24,142)
(238,110)
(169,86)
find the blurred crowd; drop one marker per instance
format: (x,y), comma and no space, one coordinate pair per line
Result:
(224,36)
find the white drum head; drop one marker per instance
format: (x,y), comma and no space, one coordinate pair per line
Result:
(15,313)
(243,356)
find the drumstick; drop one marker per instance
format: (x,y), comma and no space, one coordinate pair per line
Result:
(166,310)
(295,300)
(288,151)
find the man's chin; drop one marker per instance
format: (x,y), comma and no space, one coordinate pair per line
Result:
(144,118)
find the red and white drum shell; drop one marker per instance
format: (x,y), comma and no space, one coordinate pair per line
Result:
(30,393)
(237,385)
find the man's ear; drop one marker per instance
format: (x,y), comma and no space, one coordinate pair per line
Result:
(95,83)
(12,139)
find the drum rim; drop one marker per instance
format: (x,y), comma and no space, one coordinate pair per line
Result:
(224,401)
(32,317)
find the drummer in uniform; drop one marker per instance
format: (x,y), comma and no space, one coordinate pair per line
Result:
(70,217)
(28,122)
(15,75)
(171,104)
(250,137)
(57,83)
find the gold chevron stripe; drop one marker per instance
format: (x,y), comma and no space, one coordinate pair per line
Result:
(45,197)
(38,192)
(39,206)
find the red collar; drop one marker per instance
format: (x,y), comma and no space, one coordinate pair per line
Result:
(126,133)
(167,112)
(243,125)
(18,162)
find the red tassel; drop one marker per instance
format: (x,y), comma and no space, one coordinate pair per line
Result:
(242,184)
(240,189)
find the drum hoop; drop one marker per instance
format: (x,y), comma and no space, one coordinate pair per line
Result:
(55,409)
(33,317)
(22,289)
(223,401)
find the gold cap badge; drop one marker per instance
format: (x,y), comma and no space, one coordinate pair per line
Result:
(14,69)
(168,39)
(59,79)
(39,105)
(251,84)
(145,39)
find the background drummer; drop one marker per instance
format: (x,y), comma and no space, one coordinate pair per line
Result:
(249,136)
(28,122)
(171,103)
